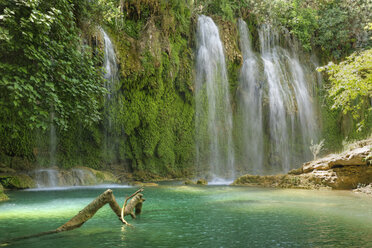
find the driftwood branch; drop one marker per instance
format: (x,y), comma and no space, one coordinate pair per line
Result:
(136,203)
(88,212)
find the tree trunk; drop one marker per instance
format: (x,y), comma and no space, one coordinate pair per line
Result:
(134,207)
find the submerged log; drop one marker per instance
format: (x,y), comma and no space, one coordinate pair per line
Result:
(133,208)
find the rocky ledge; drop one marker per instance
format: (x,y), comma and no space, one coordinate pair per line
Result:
(346,170)
(52,177)
(365,190)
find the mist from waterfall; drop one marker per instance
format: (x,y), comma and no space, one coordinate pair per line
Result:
(213,113)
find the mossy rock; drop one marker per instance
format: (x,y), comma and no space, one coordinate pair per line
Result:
(99,176)
(298,171)
(201,182)
(3,197)
(17,181)
(105,176)
(189,182)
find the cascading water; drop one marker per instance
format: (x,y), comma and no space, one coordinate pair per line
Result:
(111,76)
(213,109)
(250,104)
(46,178)
(292,119)
(278,93)
(110,65)
(52,178)
(275,112)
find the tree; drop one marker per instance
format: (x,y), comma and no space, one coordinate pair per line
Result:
(45,70)
(351,85)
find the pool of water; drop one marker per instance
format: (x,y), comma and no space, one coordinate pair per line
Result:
(192,216)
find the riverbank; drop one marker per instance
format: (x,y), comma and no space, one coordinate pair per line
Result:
(347,170)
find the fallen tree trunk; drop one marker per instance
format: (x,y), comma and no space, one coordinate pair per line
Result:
(134,207)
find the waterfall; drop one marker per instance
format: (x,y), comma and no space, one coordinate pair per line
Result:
(46,178)
(291,114)
(250,104)
(213,117)
(278,93)
(110,65)
(111,76)
(276,118)
(52,178)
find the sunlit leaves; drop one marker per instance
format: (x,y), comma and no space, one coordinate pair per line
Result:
(351,85)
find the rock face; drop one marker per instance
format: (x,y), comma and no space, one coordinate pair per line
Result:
(346,170)
(53,177)
(354,157)
(77,176)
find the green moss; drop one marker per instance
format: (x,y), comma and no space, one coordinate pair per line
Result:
(3,197)
(16,181)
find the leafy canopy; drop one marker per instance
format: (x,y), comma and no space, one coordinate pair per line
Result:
(351,85)
(45,69)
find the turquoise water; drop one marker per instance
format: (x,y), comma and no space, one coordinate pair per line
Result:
(191,216)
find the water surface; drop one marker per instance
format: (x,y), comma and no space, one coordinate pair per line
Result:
(192,216)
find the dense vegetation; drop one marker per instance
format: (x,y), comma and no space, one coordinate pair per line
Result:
(51,59)
(45,72)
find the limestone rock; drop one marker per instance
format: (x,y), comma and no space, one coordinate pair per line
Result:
(281,181)
(353,157)
(298,171)
(365,190)
(337,171)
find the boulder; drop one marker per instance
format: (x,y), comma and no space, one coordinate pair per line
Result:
(202,182)
(354,157)
(16,181)
(365,190)
(104,176)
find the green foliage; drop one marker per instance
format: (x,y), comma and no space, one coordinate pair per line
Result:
(334,26)
(351,85)
(299,19)
(333,33)
(44,70)
(154,105)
